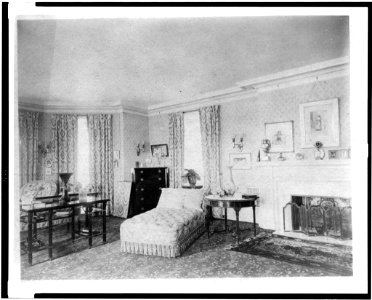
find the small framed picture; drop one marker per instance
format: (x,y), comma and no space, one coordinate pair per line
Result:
(339,154)
(160,150)
(240,161)
(280,135)
(332,154)
(48,163)
(319,121)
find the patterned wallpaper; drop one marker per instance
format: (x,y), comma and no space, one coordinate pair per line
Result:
(277,106)
(128,130)
(247,117)
(158,126)
(136,129)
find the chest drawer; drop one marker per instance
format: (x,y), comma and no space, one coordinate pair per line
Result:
(146,189)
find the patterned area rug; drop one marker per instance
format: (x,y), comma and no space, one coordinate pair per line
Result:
(205,258)
(329,258)
(62,240)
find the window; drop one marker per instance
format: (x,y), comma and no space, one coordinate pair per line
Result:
(82,174)
(193,158)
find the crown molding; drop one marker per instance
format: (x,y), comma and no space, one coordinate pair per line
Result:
(82,109)
(325,70)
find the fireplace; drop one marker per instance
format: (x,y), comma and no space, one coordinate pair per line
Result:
(318,216)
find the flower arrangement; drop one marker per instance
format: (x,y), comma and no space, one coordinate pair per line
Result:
(318,145)
(190,173)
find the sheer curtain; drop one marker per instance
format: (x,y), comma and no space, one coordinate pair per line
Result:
(64,137)
(82,168)
(101,155)
(210,136)
(28,150)
(176,136)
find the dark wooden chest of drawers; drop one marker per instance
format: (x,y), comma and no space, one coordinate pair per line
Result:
(146,189)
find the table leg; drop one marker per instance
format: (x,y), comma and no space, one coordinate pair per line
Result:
(86,216)
(73,224)
(104,222)
(89,208)
(225,219)
(208,218)
(254,219)
(29,236)
(237,209)
(35,227)
(50,229)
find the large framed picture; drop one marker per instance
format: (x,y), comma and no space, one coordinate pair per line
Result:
(319,121)
(240,161)
(280,135)
(160,150)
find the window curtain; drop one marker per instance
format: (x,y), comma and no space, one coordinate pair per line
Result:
(101,155)
(210,135)
(176,136)
(28,150)
(64,137)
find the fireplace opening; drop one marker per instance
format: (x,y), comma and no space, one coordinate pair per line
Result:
(318,216)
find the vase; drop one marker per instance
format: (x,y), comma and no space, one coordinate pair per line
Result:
(319,154)
(65,177)
(192,181)
(229,186)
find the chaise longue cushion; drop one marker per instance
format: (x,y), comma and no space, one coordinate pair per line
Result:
(166,230)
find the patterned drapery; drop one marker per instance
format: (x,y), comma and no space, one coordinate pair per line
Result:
(121,196)
(176,136)
(210,135)
(64,137)
(101,155)
(28,150)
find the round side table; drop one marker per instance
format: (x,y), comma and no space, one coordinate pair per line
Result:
(236,203)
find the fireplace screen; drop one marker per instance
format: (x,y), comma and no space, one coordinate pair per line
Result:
(327,216)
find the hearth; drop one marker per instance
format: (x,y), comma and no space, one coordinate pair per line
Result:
(318,216)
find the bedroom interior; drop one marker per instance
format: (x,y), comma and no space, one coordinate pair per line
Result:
(178,148)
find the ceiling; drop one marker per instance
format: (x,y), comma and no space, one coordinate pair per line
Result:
(143,62)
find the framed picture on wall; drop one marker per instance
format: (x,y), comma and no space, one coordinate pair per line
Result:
(160,150)
(319,121)
(280,135)
(240,161)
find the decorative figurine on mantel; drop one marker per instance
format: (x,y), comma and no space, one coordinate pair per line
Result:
(281,157)
(265,145)
(300,156)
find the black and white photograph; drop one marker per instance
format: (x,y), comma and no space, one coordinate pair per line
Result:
(257,109)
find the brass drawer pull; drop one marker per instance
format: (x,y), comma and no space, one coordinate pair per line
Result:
(142,189)
(141,171)
(159,178)
(141,179)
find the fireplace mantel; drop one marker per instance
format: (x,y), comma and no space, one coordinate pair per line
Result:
(302,163)
(278,180)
